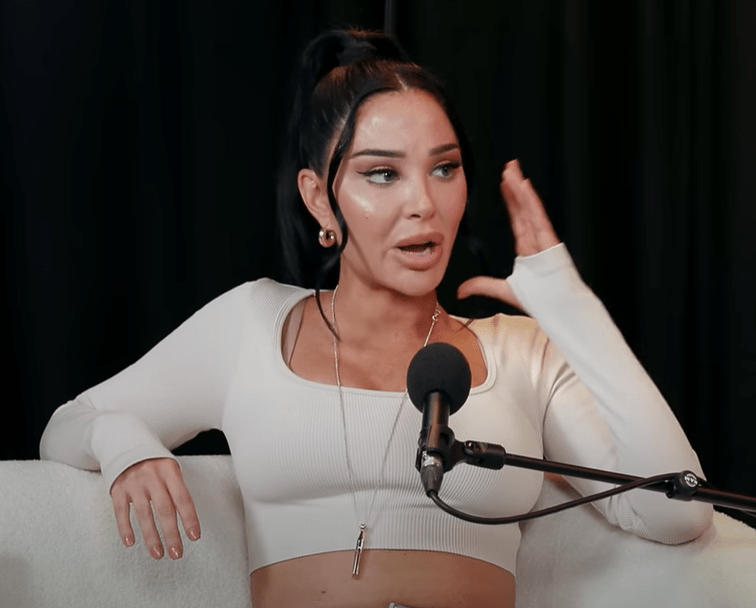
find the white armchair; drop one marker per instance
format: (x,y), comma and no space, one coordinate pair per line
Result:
(59,547)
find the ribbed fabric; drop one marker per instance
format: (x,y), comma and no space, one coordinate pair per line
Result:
(223,369)
(299,501)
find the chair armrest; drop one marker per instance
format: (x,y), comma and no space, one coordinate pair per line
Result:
(59,545)
(576,559)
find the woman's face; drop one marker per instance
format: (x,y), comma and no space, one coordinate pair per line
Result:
(402,191)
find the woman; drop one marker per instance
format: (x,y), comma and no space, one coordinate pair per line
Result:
(372,192)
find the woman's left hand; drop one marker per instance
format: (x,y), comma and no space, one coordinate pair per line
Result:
(531,228)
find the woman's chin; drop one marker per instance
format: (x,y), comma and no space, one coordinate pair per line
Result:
(400,279)
(416,284)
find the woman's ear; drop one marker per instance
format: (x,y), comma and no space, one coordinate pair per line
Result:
(312,188)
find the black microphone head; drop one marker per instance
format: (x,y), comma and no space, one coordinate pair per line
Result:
(439,367)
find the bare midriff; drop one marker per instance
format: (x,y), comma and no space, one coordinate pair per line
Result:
(419,579)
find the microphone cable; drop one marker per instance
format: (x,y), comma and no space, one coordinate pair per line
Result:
(639,483)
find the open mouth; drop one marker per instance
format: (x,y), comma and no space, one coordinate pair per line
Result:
(419,247)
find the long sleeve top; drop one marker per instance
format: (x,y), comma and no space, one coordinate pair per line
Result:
(562,384)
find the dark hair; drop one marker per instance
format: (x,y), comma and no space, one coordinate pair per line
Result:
(337,73)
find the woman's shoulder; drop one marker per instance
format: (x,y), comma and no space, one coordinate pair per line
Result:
(270,287)
(251,297)
(265,289)
(502,324)
(504,333)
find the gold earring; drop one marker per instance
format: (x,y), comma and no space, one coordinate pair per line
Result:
(326,237)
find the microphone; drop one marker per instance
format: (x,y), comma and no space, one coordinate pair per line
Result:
(438,383)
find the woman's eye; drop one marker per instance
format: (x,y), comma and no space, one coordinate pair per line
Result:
(446,170)
(380,176)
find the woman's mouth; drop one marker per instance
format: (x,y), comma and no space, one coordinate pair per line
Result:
(420,256)
(419,248)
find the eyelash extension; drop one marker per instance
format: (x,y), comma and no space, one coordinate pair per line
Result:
(378,171)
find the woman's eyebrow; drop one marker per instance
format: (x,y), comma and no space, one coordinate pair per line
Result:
(397,154)
(377,152)
(443,148)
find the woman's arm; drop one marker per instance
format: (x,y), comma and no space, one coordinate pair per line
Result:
(603,410)
(164,399)
(127,425)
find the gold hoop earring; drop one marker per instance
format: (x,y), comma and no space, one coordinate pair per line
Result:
(326,237)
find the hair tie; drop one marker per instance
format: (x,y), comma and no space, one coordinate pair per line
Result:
(356,52)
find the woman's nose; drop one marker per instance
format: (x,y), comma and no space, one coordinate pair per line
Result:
(420,200)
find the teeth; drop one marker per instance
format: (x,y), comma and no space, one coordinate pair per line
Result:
(422,247)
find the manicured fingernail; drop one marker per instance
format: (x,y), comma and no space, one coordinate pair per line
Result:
(193,533)
(128,540)
(157,552)
(174,553)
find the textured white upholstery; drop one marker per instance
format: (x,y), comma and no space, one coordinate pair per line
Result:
(59,547)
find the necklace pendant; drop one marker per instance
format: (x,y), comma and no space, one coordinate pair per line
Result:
(358,551)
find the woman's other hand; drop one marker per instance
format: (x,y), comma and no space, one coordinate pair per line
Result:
(155,484)
(531,228)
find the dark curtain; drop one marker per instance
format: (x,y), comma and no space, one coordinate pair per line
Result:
(140,142)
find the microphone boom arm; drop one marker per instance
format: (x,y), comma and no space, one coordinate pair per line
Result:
(684,485)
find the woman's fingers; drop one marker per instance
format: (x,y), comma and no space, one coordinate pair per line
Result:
(143,511)
(185,507)
(169,498)
(490,287)
(121,506)
(531,226)
(164,508)
(156,489)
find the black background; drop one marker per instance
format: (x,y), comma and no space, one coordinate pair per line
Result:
(140,139)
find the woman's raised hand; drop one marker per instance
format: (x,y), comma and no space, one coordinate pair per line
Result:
(157,481)
(531,228)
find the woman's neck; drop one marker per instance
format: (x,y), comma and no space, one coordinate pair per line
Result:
(367,315)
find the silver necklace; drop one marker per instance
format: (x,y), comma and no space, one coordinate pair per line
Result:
(364,523)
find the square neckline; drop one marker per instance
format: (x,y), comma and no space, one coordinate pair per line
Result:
(293,301)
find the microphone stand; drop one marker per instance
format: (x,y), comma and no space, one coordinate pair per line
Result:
(683,485)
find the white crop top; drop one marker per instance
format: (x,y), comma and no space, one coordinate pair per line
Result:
(223,368)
